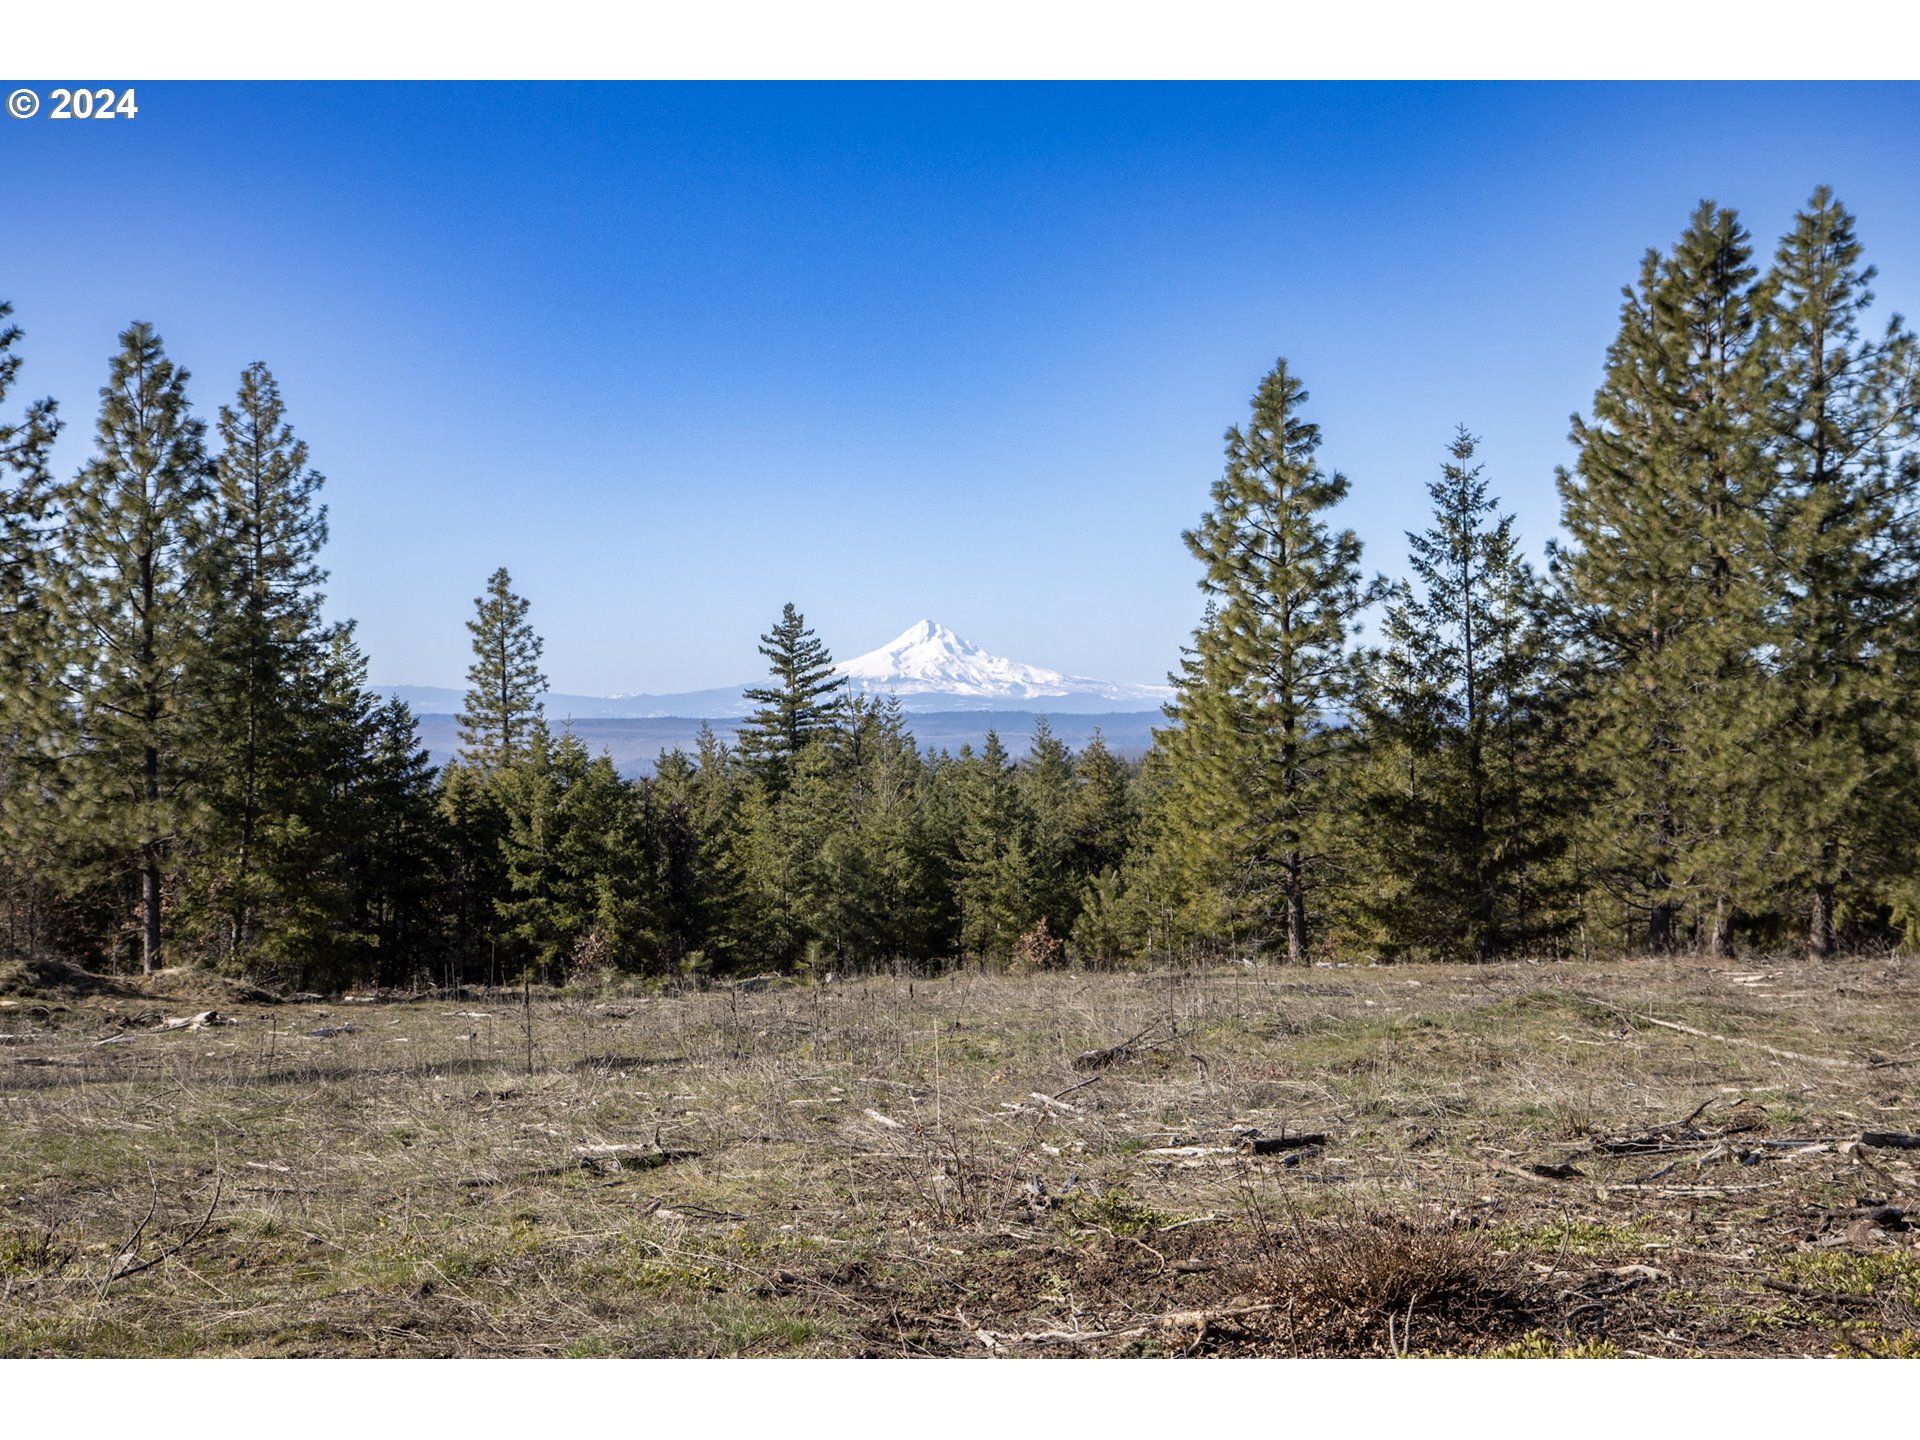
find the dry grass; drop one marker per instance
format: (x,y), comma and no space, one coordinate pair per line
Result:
(1517,1162)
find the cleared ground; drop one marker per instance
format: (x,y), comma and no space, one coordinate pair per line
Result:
(1640,1158)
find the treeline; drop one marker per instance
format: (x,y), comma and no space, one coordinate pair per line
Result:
(1698,728)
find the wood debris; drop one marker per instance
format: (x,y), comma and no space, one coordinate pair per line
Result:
(1111,1054)
(196,1022)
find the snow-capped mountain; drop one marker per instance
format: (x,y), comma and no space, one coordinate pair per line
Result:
(928,660)
(927,666)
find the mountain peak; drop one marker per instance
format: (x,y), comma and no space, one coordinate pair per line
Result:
(928,658)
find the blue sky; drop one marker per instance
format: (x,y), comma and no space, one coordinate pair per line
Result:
(676,354)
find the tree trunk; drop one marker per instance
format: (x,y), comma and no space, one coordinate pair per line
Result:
(1296,912)
(1720,937)
(1820,922)
(150,908)
(1660,928)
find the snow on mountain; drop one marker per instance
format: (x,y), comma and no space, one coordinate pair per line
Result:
(927,666)
(929,659)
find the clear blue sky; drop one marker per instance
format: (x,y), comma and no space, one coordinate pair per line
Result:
(676,354)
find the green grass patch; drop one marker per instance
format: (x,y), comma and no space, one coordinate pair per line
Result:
(1538,1345)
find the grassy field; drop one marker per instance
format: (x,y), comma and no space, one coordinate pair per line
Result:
(1632,1159)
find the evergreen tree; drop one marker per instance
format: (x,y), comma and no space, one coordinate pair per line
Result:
(772,852)
(131,600)
(673,845)
(1101,820)
(25,646)
(995,880)
(799,707)
(1197,879)
(1273,669)
(1458,819)
(504,683)
(472,823)
(1845,553)
(903,911)
(268,642)
(1046,787)
(400,865)
(825,863)
(1101,825)
(571,847)
(310,845)
(1664,583)
(713,809)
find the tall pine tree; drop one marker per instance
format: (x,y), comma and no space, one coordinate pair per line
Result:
(269,647)
(131,600)
(504,683)
(1267,708)
(1664,583)
(1463,818)
(26,561)
(1840,419)
(800,706)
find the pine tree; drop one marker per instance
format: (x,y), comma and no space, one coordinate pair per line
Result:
(1845,550)
(131,601)
(472,824)
(1187,879)
(995,880)
(1046,786)
(269,643)
(673,846)
(799,707)
(1458,816)
(25,643)
(1102,814)
(902,909)
(772,851)
(1101,827)
(826,865)
(310,845)
(571,846)
(504,683)
(1272,670)
(1664,583)
(399,869)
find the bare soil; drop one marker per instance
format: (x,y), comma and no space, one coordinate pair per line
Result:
(1642,1158)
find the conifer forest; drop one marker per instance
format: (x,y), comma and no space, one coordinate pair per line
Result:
(1695,729)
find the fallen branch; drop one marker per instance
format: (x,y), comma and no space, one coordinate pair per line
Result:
(1694,1190)
(205,1220)
(1201,1320)
(1829,1061)
(133,1240)
(1538,1174)
(1825,1297)
(1889,1140)
(1274,1144)
(195,1022)
(609,1158)
(1053,1102)
(1108,1055)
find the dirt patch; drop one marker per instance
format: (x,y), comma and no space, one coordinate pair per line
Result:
(54,980)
